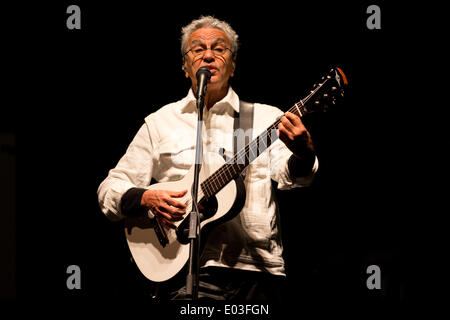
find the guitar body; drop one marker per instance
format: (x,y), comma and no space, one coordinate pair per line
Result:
(160,262)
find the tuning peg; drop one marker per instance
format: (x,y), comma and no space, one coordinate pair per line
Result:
(333,88)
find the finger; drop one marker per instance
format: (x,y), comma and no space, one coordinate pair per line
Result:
(298,129)
(163,214)
(174,213)
(283,133)
(286,123)
(294,119)
(176,204)
(177,194)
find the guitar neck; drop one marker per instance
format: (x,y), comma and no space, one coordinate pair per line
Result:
(234,166)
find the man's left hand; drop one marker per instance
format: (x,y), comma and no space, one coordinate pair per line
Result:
(294,134)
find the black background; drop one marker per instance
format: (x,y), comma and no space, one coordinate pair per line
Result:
(78,97)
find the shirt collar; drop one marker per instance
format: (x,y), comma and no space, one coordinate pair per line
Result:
(231,100)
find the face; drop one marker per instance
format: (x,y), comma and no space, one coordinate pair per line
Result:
(221,66)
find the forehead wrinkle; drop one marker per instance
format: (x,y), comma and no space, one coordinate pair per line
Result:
(201,40)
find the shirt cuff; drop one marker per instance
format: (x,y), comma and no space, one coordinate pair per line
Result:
(301,167)
(287,181)
(130,203)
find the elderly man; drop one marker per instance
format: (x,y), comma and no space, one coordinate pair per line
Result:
(242,259)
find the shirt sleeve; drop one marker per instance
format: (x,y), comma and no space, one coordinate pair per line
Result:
(134,170)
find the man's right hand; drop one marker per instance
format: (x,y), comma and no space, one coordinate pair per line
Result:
(163,205)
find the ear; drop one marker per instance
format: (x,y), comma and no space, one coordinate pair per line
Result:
(233,64)
(183,67)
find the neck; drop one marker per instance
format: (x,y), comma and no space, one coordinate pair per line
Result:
(214,95)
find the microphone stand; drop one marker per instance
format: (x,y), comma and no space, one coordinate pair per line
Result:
(194,222)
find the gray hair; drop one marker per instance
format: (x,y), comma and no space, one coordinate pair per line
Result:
(209,21)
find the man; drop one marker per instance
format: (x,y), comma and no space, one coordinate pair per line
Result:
(242,258)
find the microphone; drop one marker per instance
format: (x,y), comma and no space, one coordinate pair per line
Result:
(203,75)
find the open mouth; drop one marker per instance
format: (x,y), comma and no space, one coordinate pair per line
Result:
(212,69)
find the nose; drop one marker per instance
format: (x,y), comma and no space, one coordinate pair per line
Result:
(209,55)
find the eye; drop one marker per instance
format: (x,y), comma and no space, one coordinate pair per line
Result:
(219,49)
(198,50)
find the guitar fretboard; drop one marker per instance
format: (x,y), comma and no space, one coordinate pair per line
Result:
(234,166)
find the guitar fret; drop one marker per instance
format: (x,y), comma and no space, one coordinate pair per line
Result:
(205,187)
(223,175)
(210,189)
(211,186)
(233,166)
(219,179)
(229,167)
(299,112)
(214,184)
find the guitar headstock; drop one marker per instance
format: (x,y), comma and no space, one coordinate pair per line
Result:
(325,94)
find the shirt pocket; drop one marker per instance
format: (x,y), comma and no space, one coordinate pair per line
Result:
(176,154)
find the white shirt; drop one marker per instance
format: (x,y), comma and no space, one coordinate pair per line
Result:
(164,149)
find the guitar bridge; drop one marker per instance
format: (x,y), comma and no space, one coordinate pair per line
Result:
(161,233)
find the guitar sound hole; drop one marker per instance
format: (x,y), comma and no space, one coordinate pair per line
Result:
(207,208)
